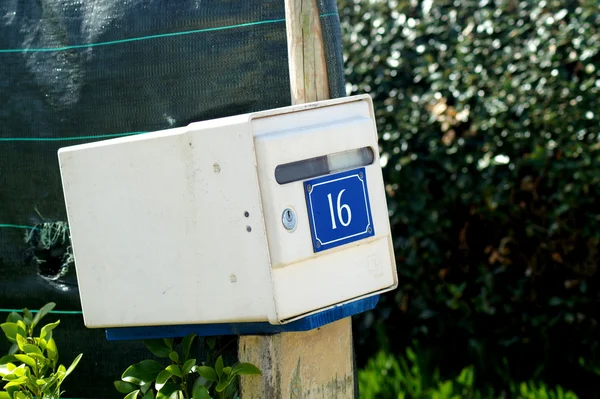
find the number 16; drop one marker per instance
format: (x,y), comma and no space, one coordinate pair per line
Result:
(340,207)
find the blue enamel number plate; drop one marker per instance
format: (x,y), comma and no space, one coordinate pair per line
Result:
(339,210)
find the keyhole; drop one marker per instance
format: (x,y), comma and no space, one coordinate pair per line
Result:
(288,218)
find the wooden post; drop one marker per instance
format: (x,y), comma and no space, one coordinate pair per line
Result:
(308,70)
(318,363)
(312,364)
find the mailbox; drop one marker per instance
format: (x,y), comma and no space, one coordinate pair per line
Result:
(263,217)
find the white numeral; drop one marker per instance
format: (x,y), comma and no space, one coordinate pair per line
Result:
(340,208)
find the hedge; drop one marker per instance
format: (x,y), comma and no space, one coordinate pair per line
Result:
(390,377)
(488,116)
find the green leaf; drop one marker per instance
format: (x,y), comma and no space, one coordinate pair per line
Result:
(22,326)
(149,395)
(132,395)
(27,317)
(16,382)
(27,360)
(211,341)
(166,391)
(6,369)
(219,366)
(20,395)
(186,345)
(174,356)
(201,381)
(21,342)
(60,376)
(33,381)
(222,385)
(40,359)
(11,330)
(12,390)
(13,349)
(28,348)
(73,365)
(46,332)
(175,370)
(162,378)
(21,370)
(201,393)
(145,387)
(187,366)
(158,347)
(144,371)
(124,387)
(227,370)
(232,389)
(10,377)
(52,350)
(7,359)
(50,381)
(169,342)
(13,317)
(208,373)
(4,395)
(42,313)
(245,369)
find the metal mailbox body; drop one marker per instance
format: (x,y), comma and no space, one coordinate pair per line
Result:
(191,226)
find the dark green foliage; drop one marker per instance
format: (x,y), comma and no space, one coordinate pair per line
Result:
(402,377)
(489,119)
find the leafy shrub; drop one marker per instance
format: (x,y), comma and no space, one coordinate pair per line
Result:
(31,369)
(388,377)
(489,118)
(183,378)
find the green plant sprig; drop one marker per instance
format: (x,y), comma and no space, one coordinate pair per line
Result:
(184,378)
(31,369)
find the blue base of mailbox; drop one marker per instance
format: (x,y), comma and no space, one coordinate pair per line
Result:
(304,324)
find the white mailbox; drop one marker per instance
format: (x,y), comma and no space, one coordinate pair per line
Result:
(268,216)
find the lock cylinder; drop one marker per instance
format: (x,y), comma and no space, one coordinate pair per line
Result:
(289,220)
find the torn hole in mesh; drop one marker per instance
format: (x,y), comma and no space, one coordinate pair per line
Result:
(51,253)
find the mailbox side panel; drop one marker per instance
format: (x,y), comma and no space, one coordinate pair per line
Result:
(167,228)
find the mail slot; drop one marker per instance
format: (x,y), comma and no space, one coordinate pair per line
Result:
(263,217)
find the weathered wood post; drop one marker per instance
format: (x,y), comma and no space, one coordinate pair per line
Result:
(317,363)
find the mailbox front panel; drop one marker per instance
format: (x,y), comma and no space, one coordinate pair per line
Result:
(340,247)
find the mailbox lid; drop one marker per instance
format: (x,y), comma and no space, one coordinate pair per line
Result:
(306,279)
